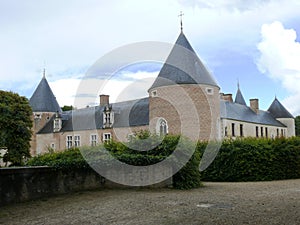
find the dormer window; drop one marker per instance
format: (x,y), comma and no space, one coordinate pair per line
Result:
(108,117)
(57,123)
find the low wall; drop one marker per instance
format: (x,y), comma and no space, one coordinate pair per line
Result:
(28,183)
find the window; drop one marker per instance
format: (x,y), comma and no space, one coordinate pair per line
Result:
(76,140)
(266,132)
(154,93)
(226,132)
(256,131)
(108,118)
(57,125)
(232,130)
(162,127)
(241,130)
(130,137)
(69,141)
(52,146)
(93,139)
(261,131)
(209,91)
(277,132)
(37,116)
(281,132)
(106,137)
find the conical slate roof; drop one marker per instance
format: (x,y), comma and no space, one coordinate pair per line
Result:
(183,67)
(278,110)
(239,98)
(43,99)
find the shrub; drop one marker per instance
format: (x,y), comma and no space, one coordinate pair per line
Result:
(131,153)
(252,159)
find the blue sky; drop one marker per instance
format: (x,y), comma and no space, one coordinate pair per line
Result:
(255,42)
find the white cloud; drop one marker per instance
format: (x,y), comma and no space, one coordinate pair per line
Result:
(279,59)
(83,92)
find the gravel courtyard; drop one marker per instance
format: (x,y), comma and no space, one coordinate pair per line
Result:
(276,202)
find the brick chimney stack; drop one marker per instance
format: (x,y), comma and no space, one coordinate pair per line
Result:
(227,97)
(254,105)
(104,100)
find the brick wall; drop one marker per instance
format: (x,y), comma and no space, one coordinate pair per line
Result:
(188,109)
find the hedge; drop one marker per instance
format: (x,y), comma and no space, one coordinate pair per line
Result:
(246,159)
(252,159)
(131,153)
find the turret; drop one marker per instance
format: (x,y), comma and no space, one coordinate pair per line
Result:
(184,98)
(279,112)
(44,106)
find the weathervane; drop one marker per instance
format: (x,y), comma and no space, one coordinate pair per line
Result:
(44,70)
(180,15)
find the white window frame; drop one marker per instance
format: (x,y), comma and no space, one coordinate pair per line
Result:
(93,141)
(104,137)
(77,140)
(108,119)
(209,91)
(69,141)
(154,93)
(159,130)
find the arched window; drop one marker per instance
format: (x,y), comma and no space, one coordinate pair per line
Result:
(162,127)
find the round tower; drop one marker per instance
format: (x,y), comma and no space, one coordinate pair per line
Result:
(44,106)
(184,98)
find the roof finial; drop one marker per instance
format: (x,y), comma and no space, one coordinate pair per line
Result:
(44,70)
(181,14)
(238,83)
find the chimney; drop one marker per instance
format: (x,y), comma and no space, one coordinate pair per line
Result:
(226,97)
(104,100)
(254,105)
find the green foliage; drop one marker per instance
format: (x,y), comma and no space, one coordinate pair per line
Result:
(297,125)
(186,178)
(252,159)
(15,127)
(67,108)
(66,160)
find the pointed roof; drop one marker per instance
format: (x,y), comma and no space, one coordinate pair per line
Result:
(239,97)
(183,67)
(278,110)
(43,99)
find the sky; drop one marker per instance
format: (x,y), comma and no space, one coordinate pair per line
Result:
(254,42)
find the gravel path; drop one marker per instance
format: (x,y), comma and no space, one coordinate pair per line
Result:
(276,202)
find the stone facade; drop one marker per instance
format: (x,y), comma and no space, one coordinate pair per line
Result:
(188,109)
(184,99)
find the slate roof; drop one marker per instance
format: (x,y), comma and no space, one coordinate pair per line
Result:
(183,67)
(230,110)
(128,113)
(278,110)
(43,99)
(239,98)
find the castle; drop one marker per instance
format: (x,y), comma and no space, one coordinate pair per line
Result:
(184,99)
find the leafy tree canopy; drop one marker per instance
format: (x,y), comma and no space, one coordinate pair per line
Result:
(67,108)
(15,127)
(297,125)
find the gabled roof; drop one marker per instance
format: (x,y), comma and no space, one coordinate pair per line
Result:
(183,67)
(126,114)
(230,110)
(278,110)
(43,99)
(239,97)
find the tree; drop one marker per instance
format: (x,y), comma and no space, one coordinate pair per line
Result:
(15,127)
(67,108)
(297,125)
